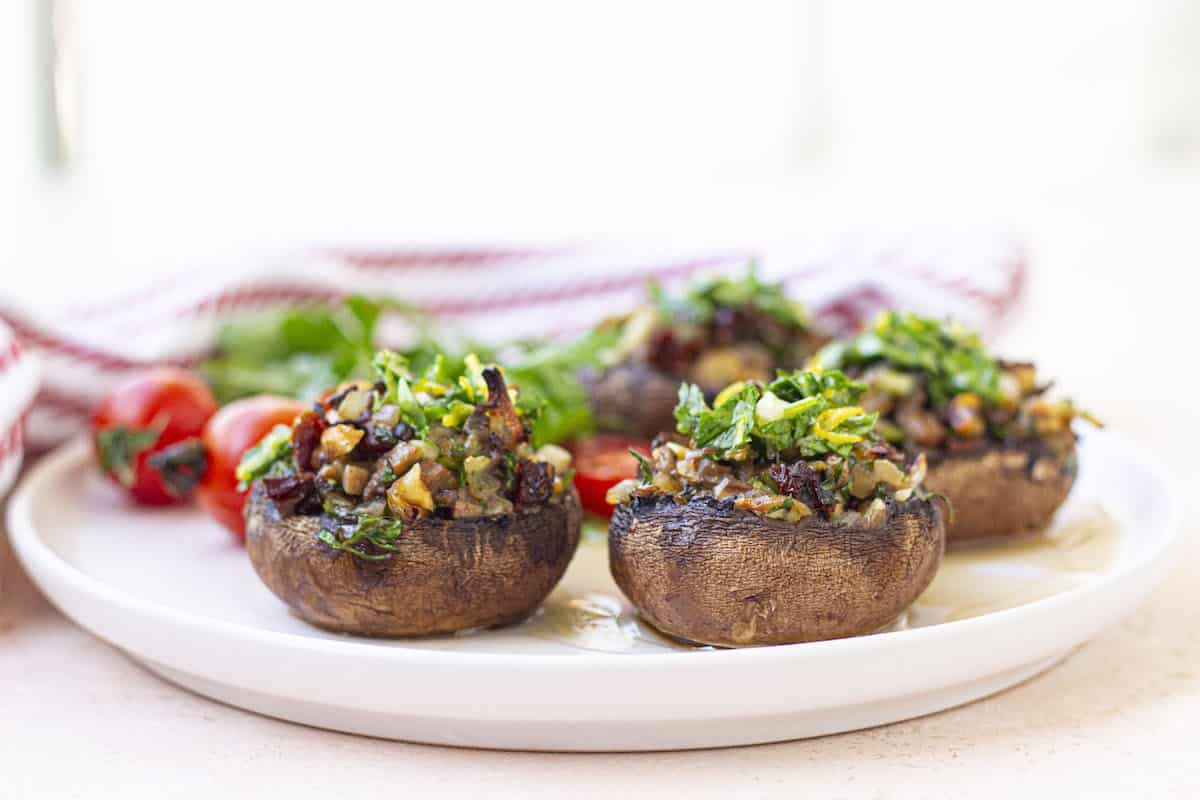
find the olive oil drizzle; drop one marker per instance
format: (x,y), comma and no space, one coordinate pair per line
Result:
(588,613)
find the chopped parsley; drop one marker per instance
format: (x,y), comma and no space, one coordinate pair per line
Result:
(392,369)
(645,468)
(702,301)
(450,389)
(951,358)
(802,413)
(368,537)
(274,448)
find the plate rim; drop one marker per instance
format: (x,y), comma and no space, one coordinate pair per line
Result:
(36,556)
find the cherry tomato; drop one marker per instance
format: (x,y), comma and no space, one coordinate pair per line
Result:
(145,433)
(602,462)
(229,434)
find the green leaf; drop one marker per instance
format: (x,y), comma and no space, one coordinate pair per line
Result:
(366,313)
(310,332)
(119,447)
(952,358)
(273,448)
(735,439)
(392,369)
(303,375)
(438,373)
(370,538)
(690,407)
(456,413)
(552,399)
(472,381)
(302,352)
(298,352)
(702,300)
(726,427)
(831,385)
(645,468)
(805,413)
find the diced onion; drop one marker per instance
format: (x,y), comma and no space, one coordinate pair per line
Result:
(621,492)
(555,456)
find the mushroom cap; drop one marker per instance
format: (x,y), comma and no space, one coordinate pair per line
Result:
(1001,491)
(632,397)
(444,576)
(708,572)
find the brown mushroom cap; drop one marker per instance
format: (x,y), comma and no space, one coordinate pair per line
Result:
(445,576)
(633,398)
(1003,491)
(711,573)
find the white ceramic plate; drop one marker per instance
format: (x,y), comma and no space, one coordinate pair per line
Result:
(171,589)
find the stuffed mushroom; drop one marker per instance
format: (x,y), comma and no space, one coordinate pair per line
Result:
(415,505)
(722,330)
(774,516)
(1001,451)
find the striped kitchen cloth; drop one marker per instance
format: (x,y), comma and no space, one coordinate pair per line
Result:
(493,295)
(18,383)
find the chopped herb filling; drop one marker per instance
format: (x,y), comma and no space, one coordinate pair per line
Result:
(796,446)
(374,457)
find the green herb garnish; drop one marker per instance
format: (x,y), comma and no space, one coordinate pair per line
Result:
(447,393)
(951,358)
(298,353)
(802,413)
(368,537)
(392,369)
(274,448)
(701,302)
(551,398)
(645,468)
(303,351)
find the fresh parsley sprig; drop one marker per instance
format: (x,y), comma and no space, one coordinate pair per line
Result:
(304,351)
(299,352)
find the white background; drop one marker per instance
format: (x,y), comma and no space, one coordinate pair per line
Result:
(211,130)
(205,128)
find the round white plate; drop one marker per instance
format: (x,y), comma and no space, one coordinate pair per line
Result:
(170,588)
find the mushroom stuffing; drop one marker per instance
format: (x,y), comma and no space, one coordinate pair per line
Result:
(411,505)
(775,515)
(719,331)
(999,448)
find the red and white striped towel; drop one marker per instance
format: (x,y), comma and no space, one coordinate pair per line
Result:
(493,294)
(18,383)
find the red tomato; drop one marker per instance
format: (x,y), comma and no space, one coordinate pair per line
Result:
(235,429)
(141,417)
(601,462)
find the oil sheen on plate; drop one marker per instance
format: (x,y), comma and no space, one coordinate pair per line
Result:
(587,611)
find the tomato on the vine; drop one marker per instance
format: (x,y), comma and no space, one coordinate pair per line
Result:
(145,433)
(601,462)
(229,434)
